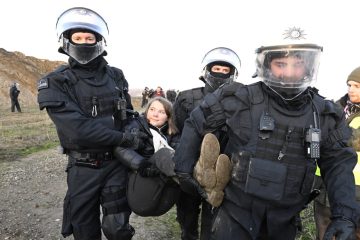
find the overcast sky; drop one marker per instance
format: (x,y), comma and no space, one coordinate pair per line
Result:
(162,42)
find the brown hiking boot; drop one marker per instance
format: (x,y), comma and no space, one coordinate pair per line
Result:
(223,172)
(204,171)
(213,171)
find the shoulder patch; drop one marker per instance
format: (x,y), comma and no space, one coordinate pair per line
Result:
(43,83)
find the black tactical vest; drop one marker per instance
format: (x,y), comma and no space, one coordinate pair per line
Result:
(96,98)
(272,165)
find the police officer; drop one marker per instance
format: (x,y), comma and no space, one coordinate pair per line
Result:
(277,128)
(350,103)
(88,101)
(219,67)
(171,95)
(14,95)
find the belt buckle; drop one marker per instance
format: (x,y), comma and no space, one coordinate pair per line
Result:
(107,156)
(90,163)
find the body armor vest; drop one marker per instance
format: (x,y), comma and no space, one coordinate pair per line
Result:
(272,164)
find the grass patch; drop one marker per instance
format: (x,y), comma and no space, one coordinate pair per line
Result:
(37,148)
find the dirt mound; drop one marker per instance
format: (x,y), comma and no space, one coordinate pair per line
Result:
(25,70)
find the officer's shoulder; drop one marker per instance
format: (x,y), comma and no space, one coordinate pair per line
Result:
(56,78)
(114,70)
(329,106)
(190,92)
(58,71)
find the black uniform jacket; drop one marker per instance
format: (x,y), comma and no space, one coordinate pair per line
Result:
(81,101)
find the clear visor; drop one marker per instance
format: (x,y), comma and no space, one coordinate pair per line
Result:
(288,68)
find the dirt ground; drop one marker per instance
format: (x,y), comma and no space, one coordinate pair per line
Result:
(31,197)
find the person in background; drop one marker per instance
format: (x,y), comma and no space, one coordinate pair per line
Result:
(277,129)
(158,93)
(88,102)
(14,95)
(171,95)
(350,104)
(219,67)
(145,97)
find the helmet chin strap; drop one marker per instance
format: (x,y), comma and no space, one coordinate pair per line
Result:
(285,98)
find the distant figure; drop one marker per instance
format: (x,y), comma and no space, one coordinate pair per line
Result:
(14,94)
(158,93)
(145,96)
(171,95)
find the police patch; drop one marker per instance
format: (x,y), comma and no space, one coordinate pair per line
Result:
(43,83)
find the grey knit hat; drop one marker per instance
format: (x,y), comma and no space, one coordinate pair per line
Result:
(354,75)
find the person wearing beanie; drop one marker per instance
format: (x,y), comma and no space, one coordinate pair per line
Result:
(350,104)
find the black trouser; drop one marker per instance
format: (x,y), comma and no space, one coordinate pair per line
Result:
(88,188)
(188,210)
(15,103)
(226,227)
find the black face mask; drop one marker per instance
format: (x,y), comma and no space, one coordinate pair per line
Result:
(215,79)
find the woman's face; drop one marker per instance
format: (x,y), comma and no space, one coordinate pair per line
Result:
(156,114)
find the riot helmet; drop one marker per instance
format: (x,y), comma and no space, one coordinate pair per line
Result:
(290,67)
(80,19)
(221,56)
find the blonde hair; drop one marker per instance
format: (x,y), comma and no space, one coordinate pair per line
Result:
(172,129)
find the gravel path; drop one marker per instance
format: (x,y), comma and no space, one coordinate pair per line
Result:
(31,196)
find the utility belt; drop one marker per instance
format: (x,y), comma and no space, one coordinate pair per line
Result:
(91,160)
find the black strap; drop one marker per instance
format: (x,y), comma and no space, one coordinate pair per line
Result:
(103,156)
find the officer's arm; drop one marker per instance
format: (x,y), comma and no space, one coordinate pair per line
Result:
(336,165)
(180,112)
(206,118)
(70,120)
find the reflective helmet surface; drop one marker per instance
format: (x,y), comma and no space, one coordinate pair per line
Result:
(220,55)
(305,56)
(83,19)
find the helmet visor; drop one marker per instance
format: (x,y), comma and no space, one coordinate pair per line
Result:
(288,68)
(83,53)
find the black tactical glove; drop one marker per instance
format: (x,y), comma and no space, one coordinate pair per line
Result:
(189,185)
(149,170)
(133,139)
(341,229)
